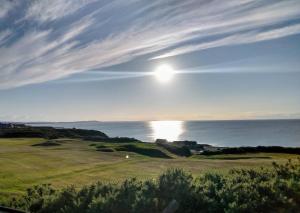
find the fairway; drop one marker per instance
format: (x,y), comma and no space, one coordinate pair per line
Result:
(76,162)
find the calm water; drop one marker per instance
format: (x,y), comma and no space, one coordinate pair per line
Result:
(220,133)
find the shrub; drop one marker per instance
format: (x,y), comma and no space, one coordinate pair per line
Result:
(241,190)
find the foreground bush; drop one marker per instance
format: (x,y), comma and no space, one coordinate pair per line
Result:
(276,189)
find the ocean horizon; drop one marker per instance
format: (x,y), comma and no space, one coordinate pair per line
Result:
(230,133)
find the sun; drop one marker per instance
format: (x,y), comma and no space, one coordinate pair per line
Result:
(164,73)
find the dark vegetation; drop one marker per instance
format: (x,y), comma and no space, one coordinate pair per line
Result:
(238,157)
(174,148)
(264,149)
(275,189)
(105,149)
(138,148)
(193,145)
(9,210)
(186,143)
(49,133)
(113,139)
(150,152)
(47,143)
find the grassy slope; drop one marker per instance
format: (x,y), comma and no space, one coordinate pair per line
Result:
(75,162)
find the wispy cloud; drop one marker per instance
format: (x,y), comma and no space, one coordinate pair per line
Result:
(242,38)
(46,40)
(50,10)
(6,6)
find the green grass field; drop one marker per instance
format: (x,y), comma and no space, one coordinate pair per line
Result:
(78,162)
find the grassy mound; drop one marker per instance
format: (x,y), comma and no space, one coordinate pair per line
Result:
(47,143)
(105,149)
(174,148)
(276,189)
(145,149)
(150,152)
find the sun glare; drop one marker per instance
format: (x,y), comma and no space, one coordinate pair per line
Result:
(164,73)
(169,130)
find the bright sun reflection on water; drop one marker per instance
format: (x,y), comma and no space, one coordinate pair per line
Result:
(170,130)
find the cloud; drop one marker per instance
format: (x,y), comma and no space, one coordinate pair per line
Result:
(46,40)
(50,10)
(4,35)
(243,38)
(6,6)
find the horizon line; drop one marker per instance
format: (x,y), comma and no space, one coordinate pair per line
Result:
(183,120)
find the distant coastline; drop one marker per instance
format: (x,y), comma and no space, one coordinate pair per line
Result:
(122,121)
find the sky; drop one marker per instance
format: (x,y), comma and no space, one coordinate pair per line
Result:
(78,60)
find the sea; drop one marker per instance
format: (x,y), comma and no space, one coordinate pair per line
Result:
(218,133)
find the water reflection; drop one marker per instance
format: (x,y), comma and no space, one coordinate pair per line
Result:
(170,130)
